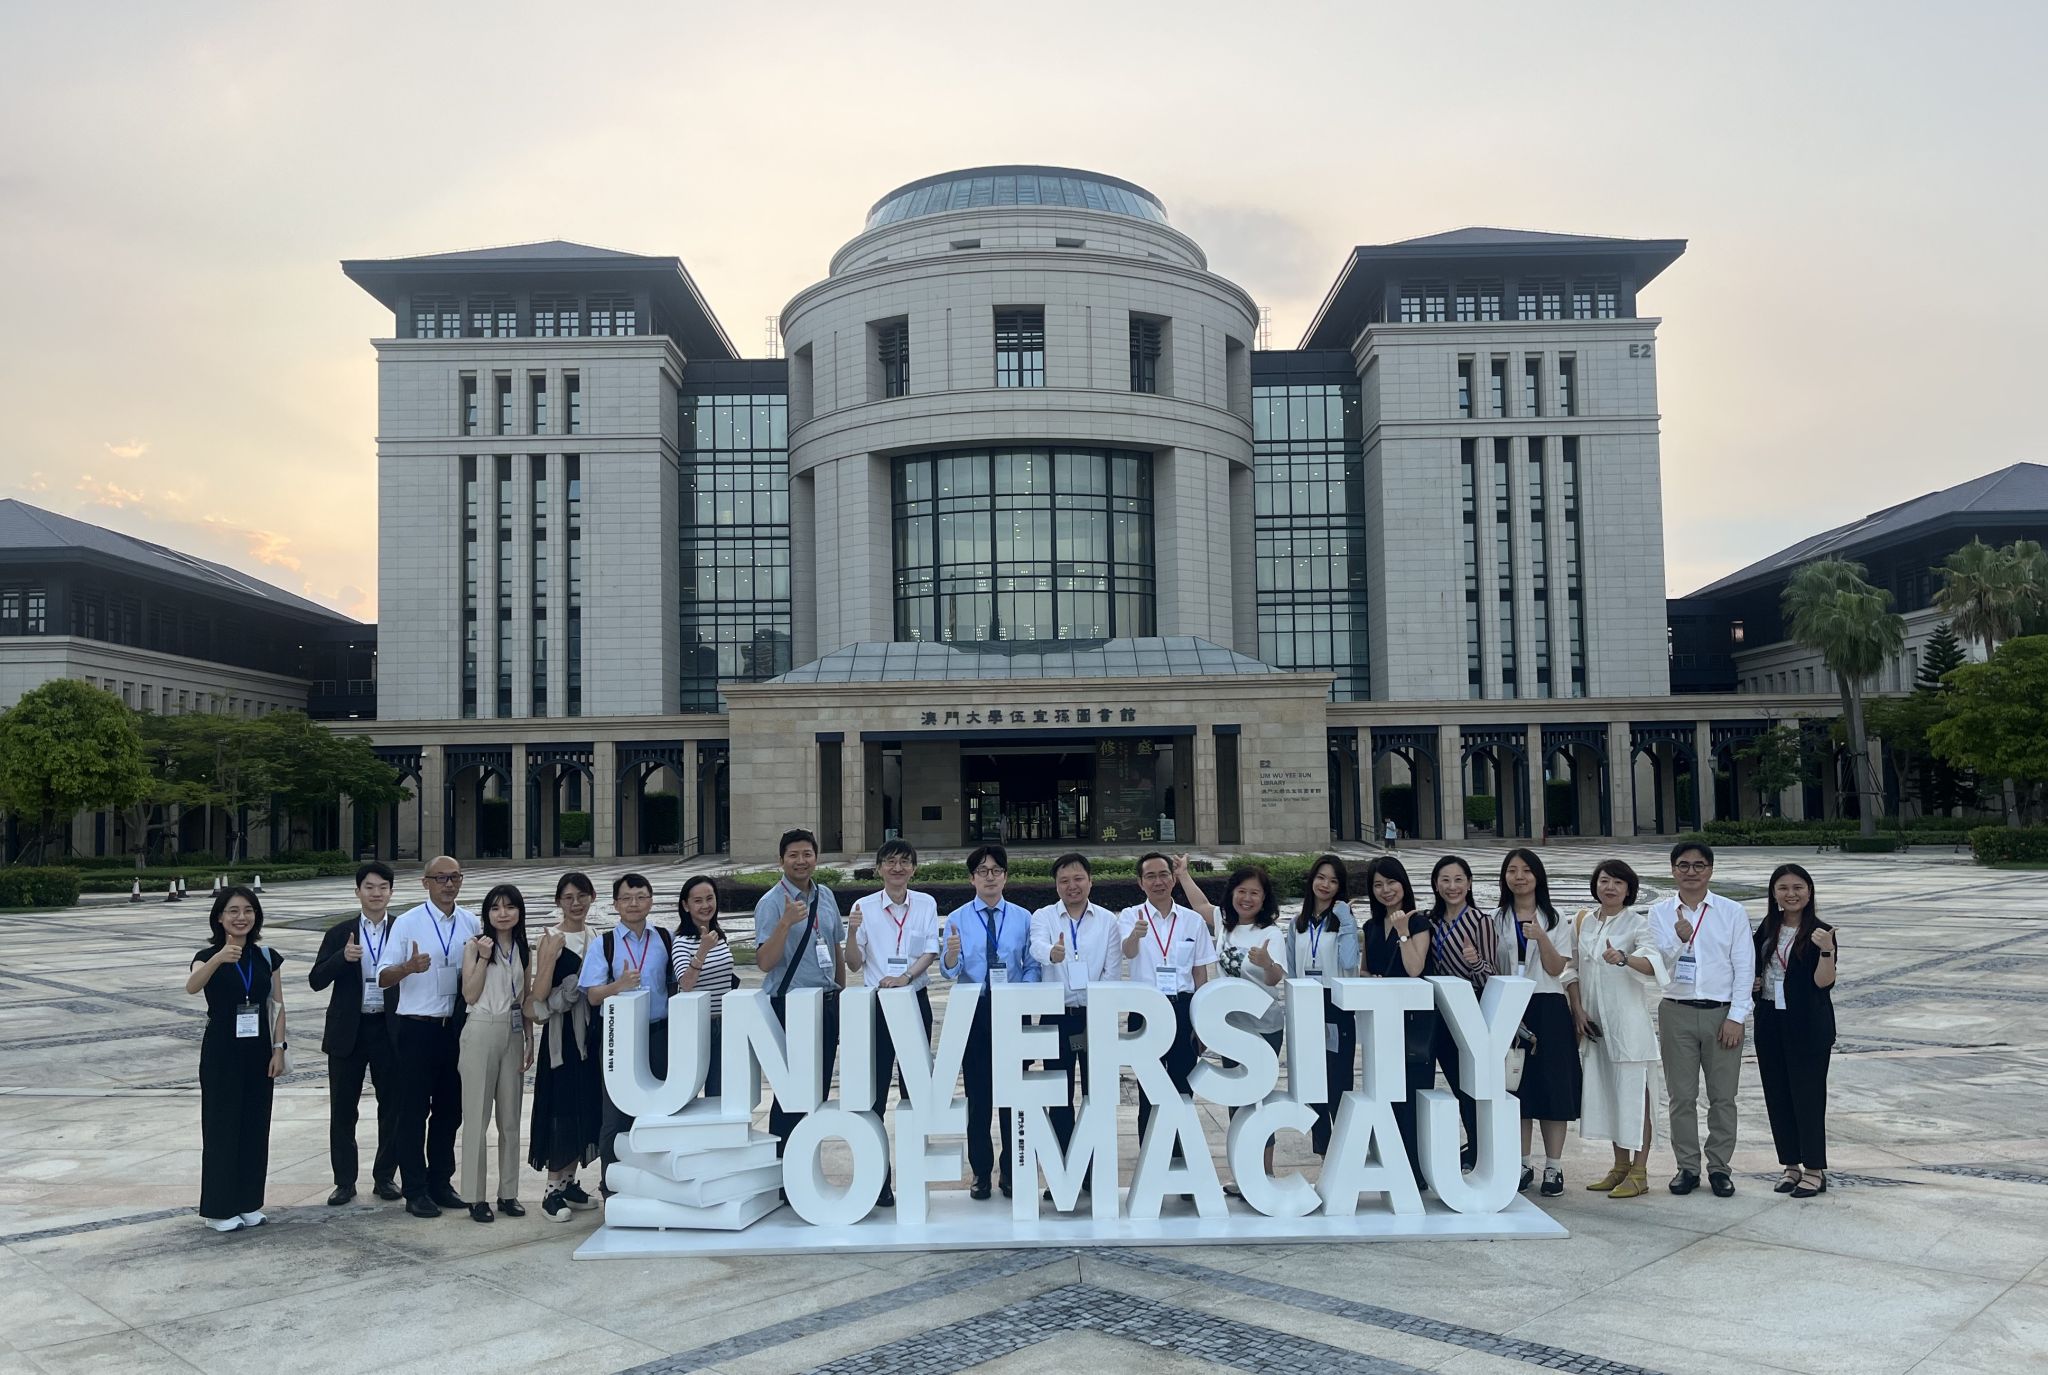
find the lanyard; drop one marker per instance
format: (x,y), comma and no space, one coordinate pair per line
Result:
(1168,941)
(1697,926)
(434,917)
(626,945)
(1315,945)
(900,924)
(376,950)
(248,978)
(1784,948)
(1074,928)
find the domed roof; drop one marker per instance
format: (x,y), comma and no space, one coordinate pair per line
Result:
(975,187)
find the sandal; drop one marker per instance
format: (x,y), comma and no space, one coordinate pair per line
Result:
(1635,1186)
(1612,1179)
(1790,1182)
(1807,1188)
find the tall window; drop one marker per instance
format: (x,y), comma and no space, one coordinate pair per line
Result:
(1020,346)
(1504,563)
(504,571)
(572,389)
(1606,302)
(1465,387)
(537,401)
(735,592)
(572,474)
(1497,387)
(1532,386)
(10,611)
(1550,300)
(1575,625)
(436,317)
(1148,342)
(1477,301)
(1468,479)
(467,404)
(557,317)
(1423,304)
(1567,385)
(501,387)
(1308,520)
(537,559)
(892,351)
(1026,544)
(613,315)
(493,317)
(471,552)
(1539,571)
(1582,303)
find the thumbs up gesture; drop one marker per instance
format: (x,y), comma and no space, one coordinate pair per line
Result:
(1144,926)
(1824,941)
(352,952)
(1059,948)
(419,963)
(1400,920)
(1683,928)
(952,945)
(853,920)
(1264,961)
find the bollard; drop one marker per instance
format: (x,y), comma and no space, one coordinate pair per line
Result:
(257,886)
(135,892)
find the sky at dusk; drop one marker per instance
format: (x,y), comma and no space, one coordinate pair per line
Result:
(1860,317)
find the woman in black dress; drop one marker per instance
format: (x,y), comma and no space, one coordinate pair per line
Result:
(1396,946)
(1529,942)
(1795,1028)
(240,1057)
(568,1104)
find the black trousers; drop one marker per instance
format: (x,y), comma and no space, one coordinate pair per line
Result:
(977,1071)
(1179,1058)
(1341,1067)
(1073,1058)
(429,1102)
(885,1059)
(1444,1047)
(614,1121)
(782,1122)
(374,1053)
(235,1093)
(1795,1078)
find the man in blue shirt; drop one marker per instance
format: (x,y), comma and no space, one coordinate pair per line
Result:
(987,943)
(798,940)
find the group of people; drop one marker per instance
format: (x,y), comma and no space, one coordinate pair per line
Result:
(445,1011)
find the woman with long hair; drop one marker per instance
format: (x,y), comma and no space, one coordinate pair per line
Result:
(240,1058)
(496,1049)
(1461,946)
(702,959)
(1396,946)
(1251,945)
(1795,1027)
(1612,981)
(1529,943)
(1322,943)
(568,1102)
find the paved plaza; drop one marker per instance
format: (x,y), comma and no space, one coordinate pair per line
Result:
(1928,1254)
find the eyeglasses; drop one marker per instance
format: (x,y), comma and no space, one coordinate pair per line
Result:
(444,878)
(1691,866)
(897,863)
(990,871)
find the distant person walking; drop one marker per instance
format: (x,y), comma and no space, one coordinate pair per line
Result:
(1390,835)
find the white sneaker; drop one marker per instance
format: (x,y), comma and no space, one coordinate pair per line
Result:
(223,1224)
(253,1219)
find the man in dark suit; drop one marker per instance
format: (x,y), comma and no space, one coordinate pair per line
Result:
(358,1037)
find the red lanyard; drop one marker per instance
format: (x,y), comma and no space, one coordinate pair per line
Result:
(886,906)
(1168,941)
(646,940)
(1697,926)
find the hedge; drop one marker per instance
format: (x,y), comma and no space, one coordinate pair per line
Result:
(1869,845)
(1481,811)
(40,887)
(575,828)
(2007,845)
(153,880)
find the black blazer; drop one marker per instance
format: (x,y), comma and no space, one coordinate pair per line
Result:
(1809,1009)
(344,1010)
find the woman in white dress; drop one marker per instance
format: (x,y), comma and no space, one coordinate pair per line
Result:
(1611,979)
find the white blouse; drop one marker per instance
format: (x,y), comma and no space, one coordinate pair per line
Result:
(1622,1000)
(1246,938)
(1527,960)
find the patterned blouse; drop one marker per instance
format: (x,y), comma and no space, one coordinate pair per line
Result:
(1446,956)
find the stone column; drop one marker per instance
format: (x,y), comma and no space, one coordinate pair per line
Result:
(686,807)
(1207,820)
(1539,821)
(1621,780)
(433,787)
(517,787)
(1703,768)
(345,825)
(604,800)
(1450,775)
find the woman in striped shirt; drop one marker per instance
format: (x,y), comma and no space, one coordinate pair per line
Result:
(1463,945)
(703,959)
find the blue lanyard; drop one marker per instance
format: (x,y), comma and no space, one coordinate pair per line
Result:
(1075,928)
(376,951)
(1315,944)
(434,918)
(248,978)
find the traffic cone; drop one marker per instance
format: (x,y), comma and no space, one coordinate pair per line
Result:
(257,887)
(171,891)
(135,892)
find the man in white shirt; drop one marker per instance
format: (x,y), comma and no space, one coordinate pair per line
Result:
(1170,947)
(1076,944)
(892,938)
(422,963)
(1705,940)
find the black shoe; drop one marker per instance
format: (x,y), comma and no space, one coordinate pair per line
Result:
(1468,1159)
(481,1212)
(1684,1182)
(1788,1183)
(573,1195)
(887,1198)
(554,1207)
(342,1194)
(1528,1178)
(1806,1190)
(1724,1187)
(446,1198)
(422,1207)
(1553,1183)
(511,1207)
(980,1190)
(1006,1188)
(387,1190)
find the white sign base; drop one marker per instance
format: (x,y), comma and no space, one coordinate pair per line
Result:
(958,1223)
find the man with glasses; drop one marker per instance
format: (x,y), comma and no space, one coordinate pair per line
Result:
(1169,947)
(1077,944)
(988,943)
(892,939)
(422,959)
(1705,941)
(798,935)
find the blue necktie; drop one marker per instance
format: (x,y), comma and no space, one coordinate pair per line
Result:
(988,917)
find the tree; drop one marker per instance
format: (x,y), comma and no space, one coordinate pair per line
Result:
(1775,764)
(1992,595)
(66,748)
(1903,722)
(311,766)
(1829,608)
(1998,720)
(1943,652)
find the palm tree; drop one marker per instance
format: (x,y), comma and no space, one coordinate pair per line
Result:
(1829,608)
(1991,595)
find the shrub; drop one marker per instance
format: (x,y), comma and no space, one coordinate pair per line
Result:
(39,887)
(1869,845)
(1481,811)
(575,828)
(2005,845)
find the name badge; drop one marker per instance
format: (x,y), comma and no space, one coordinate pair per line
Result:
(1329,1038)
(824,957)
(896,966)
(1077,972)
(1778,994)
(999,975)
(448,979)
(1167,979)
(246,1027)
(1686,970)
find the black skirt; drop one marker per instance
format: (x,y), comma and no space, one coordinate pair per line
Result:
(1550,1076)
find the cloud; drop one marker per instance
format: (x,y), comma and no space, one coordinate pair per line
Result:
(134,448)
(36,483)
(108,494)
(267,547)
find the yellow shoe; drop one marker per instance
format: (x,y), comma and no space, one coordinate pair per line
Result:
(1609,1180)
(1634,1186)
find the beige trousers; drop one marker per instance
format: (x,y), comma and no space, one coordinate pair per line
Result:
(493,1082)
(1688,1037)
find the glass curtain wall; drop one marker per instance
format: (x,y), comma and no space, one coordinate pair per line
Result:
(736,613)
(1308,515)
